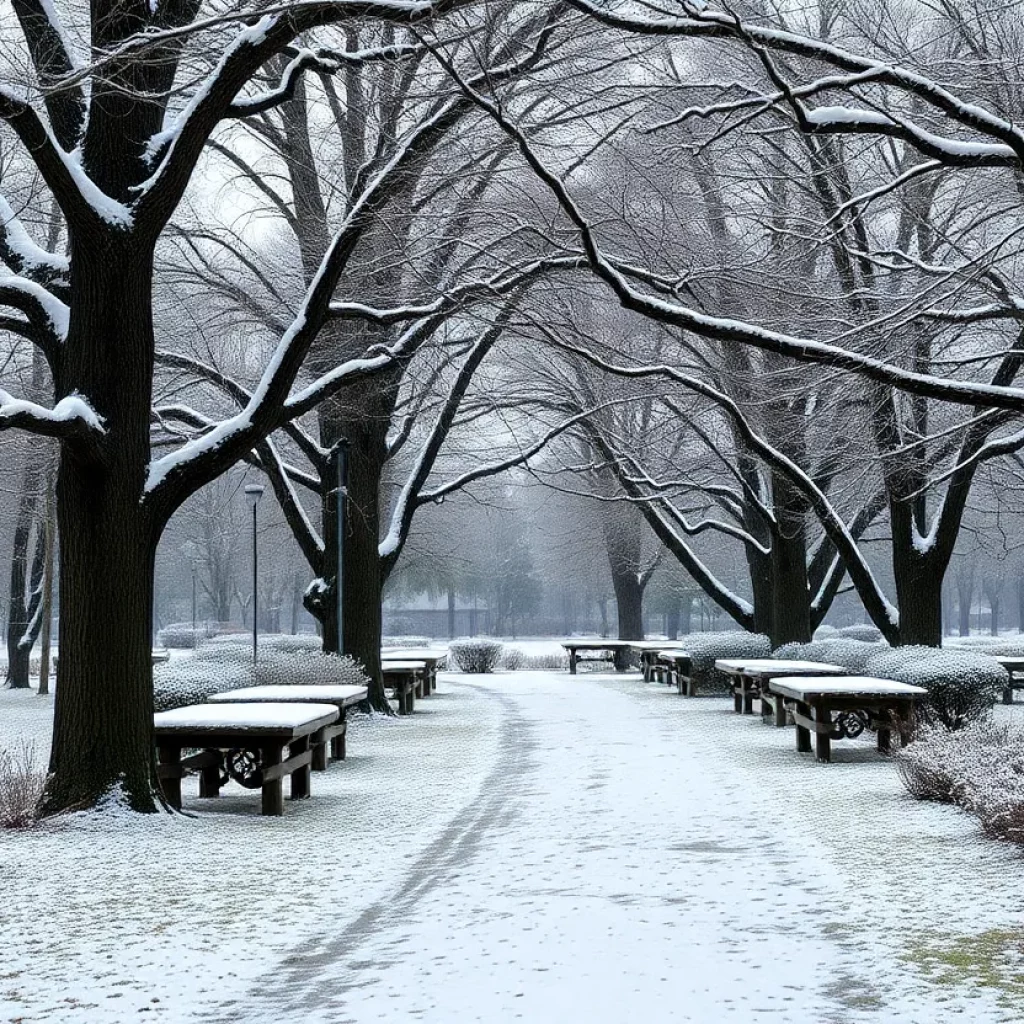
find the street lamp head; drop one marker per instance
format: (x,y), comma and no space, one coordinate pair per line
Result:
(253,493)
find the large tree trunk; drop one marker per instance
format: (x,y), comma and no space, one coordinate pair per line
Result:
(918,593)
(791,600)
(103,722)
(451,613)
(629,604)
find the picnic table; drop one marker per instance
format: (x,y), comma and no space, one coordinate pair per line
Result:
(407,679)
(648,651)
(160,654)
(1015,676)
(430,657)
(673,666)
(750,678)
(246,742)
(342,697)
(859,702)
(613,651)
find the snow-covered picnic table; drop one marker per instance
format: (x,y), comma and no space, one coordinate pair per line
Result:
(408,678)
(1015,675)
(673,665)
(246,740)
(860,702)
(750,681)
(607,650)
(648,651)
(430,656)
(342,697)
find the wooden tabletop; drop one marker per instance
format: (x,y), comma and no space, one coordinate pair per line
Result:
(804,688)
(341,696)
(597,645)
(765,668)
(259,719)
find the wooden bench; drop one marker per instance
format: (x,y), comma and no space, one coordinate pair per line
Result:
(675,667)
(254,737)
(431,659)
(648,651)
(407,679)
(608,650)
(342,697)
(860,703)
(1015,676)
(160,654)
(750,678)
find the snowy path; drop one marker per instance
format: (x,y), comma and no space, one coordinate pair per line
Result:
(621,865)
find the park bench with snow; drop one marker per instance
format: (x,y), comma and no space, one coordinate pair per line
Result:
(648,651)
(750,681)
(857,702)
(674,666)
(430,657)
(408,679)
(1014,676)
(342,697)
(604,650)
(255,744)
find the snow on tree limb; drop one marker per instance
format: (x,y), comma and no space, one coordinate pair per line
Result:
(72,418)
(732,330)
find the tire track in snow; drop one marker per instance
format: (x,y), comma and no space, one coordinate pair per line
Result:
(317,977)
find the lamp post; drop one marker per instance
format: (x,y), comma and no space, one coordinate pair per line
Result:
(341,467)
(253,493)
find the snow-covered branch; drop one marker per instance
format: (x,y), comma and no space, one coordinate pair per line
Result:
(71,419)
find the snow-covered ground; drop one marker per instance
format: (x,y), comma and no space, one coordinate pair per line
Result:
(528,846)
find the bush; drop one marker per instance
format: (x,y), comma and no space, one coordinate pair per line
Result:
(512,659)
(405,641)
(706,648)
(866,634)
(219,667)
(962,686)
(180,635)
(979,768)
(852,655)
(21,787)
(476,655)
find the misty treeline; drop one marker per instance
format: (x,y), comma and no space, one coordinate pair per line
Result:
(696,306)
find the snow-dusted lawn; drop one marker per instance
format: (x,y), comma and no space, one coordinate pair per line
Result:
(527,846)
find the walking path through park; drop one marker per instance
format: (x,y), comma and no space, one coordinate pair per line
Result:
(535,847)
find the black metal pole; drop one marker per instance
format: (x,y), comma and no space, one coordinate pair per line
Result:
(341,455)
(193,603)
(255,588)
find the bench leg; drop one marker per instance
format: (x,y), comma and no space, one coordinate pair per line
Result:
(737,698)
(319,743)
(572,662)
(209,781)
(780,712)
(338,740)
(273,792)
(169,754)
(410,698)
(822,740)
(300,778)
(1007,694)
(748,698)
(803,734)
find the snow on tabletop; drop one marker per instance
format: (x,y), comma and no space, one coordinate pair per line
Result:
(673,652)
(596,645)
(269,716)
(404,666)
(853,685)
(765,666)
(413,653)
(284,692)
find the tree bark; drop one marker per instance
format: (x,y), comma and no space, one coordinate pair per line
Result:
(103,720)
(23,597)
(791,599)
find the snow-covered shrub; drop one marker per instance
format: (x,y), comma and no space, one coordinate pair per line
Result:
(476,655)
(706,648)
(852,655)
(215,668)
(869,634)
(980,768)
(180,635)
(512,659)
(405,641)
(962,685)
(21,787)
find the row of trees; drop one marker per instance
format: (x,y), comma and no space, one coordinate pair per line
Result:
(323,223)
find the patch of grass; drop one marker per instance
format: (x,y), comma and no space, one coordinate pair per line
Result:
(992,959)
